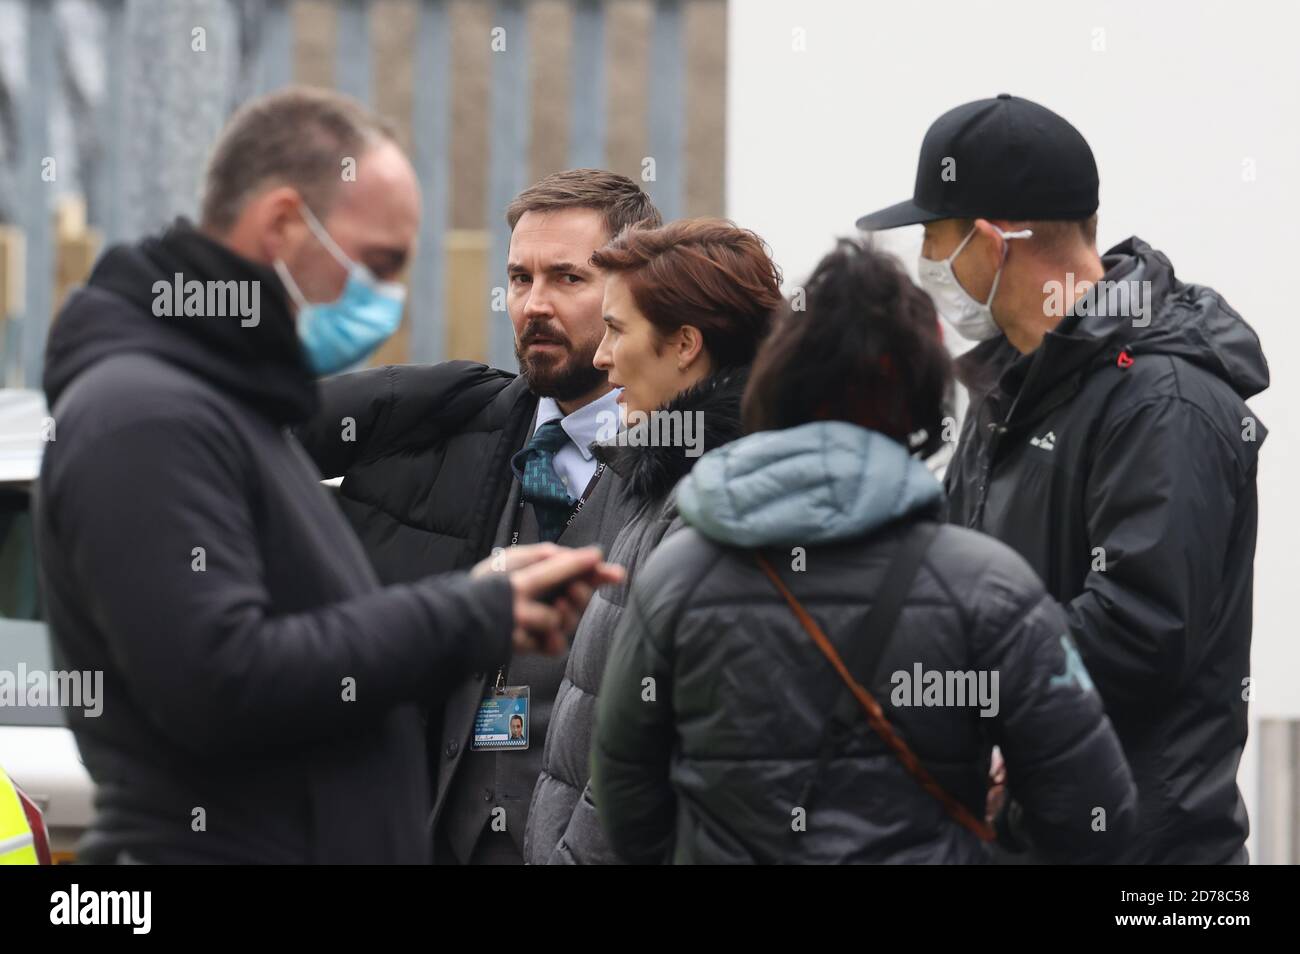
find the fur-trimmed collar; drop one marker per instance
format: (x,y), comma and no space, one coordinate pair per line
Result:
(652,471)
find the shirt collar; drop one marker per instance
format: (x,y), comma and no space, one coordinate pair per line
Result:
(587,424)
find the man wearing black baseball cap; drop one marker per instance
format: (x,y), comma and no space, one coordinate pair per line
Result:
(1108,441)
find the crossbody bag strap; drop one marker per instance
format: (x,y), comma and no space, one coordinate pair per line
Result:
(865,655)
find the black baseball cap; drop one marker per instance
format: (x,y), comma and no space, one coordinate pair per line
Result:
(1001,158)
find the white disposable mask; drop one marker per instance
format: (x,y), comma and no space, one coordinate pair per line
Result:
(971,319)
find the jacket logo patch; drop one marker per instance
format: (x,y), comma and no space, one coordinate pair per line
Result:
(1074,671)
(1047,442)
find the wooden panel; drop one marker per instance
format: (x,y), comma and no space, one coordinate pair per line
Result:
(550,41)
(705,36)
(75,250)
(471,37)
(627,47)
(467,277)
(13,257)
(313,48)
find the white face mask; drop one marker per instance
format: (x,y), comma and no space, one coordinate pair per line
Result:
(971,319)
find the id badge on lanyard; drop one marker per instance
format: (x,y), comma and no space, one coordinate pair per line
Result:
(502,723)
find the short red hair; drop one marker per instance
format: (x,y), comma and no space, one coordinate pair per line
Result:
(706,273)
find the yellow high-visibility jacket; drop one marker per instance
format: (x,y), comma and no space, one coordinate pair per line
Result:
(17,844)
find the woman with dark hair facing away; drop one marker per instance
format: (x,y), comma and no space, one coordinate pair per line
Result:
(816,670)
(685,308)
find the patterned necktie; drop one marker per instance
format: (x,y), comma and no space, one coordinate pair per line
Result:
(535,465)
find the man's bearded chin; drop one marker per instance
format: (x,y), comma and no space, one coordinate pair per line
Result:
(564,378)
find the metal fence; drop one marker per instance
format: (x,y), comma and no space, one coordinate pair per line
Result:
(150,109)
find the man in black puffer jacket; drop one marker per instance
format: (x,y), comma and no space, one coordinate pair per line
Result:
(430,458)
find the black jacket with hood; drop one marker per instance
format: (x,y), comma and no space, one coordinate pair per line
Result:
(1119,460)
(260,687)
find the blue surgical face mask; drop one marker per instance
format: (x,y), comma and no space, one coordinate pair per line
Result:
(342,332)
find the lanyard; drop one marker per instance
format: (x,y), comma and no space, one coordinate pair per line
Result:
(577,507)
(500,684)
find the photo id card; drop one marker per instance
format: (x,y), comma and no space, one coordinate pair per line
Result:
(501,722)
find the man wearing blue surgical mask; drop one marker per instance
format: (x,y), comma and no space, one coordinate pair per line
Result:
(341,332)
(338,239)
(1109,443)
(263,693)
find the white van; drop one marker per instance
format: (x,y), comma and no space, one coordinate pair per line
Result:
(37,749)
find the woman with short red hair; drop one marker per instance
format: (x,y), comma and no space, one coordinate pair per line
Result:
(686,307)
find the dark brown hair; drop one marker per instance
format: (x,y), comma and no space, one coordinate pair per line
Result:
(297,137)
(701,272)
(858,343)
(620,200)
